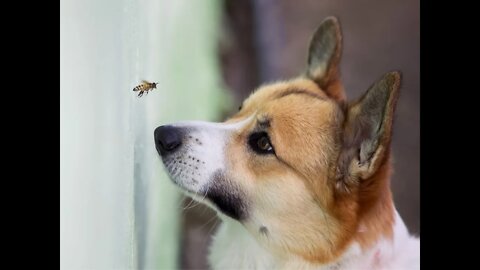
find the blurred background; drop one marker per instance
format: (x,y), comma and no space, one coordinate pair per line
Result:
(118,209)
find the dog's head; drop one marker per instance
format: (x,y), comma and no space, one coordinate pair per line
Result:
(298,166)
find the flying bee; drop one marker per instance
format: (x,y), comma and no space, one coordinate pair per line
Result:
(144,87)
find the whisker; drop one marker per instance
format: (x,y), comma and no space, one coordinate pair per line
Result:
(192,201)
(199,201)
(210,220)
(215,225)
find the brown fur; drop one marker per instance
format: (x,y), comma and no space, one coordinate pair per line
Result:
(335,190)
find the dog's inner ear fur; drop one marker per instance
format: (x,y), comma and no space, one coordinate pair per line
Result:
(367,132)
(324,56)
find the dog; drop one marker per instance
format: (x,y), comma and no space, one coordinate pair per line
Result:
(299,176)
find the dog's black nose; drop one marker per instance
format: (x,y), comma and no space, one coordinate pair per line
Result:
(167,139)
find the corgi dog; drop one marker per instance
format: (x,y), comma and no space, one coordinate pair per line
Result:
(299,175)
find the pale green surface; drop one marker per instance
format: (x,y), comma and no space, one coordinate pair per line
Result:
(118,208)
(190,89)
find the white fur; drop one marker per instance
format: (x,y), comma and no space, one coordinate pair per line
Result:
(204,142)
(234,248)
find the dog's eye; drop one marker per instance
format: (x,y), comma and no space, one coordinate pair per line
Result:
(264,144)
(260,143)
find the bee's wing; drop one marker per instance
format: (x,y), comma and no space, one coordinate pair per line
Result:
(145,82)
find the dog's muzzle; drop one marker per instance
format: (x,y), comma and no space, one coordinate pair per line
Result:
(167,139)
(194,158)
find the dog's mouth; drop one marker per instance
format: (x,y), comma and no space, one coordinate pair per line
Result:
(186,173)
(194,160)
(180,149)
(185,170)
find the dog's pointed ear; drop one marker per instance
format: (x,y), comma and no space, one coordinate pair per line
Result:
(367,131)
(324,56)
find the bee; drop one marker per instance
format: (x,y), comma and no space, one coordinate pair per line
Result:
(144,87)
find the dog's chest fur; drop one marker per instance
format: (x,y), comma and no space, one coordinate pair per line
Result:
(234,248)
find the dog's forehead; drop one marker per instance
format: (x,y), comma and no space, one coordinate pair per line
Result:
(280,99)
(277,90)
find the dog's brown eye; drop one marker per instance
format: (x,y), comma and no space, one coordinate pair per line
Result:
(263,143)
(260,143)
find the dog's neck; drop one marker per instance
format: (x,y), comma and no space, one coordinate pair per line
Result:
(235,248)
